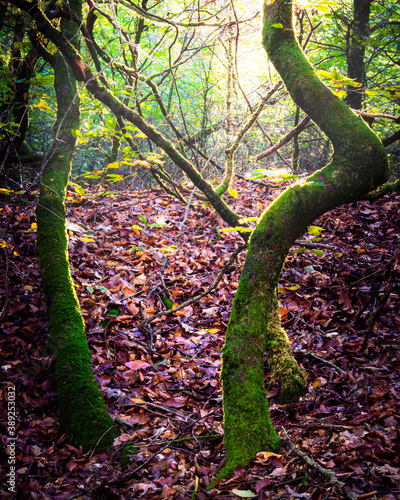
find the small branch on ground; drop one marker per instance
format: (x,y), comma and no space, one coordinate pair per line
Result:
(314,244)
(329,474)
(315,356)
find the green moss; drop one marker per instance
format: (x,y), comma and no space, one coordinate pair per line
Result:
(284,368)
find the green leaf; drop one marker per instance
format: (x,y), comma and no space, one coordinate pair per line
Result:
(167,302)
(80,190)
(244,493)
(143,219)
(299,250)
(113,312)
(110,122)
(114,178)
(277,25)
(289,176)
(77,187)
(233,192)
(317,252)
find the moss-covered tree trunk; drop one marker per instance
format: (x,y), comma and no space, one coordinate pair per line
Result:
(359,164)
(82,407)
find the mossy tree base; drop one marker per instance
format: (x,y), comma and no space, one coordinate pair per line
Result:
(283,366)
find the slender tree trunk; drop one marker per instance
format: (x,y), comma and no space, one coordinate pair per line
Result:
(359,164)
(355,52)
(82,407)
(296,145)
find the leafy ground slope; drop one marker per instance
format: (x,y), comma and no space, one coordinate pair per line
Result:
(135,255)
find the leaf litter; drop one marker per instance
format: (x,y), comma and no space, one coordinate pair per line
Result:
(131,257)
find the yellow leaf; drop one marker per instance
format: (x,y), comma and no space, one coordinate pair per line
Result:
(267,454)
(319,381)
(155,159)
(113,165)
(3,244)
(5,191)
(294,287)
(41,103)
(142,163)
(233,192)
(86,239)
(143,136)
(137,400)
(32,228)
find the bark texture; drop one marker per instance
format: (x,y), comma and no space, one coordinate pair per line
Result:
(82,407)
(359,164)
(355,50)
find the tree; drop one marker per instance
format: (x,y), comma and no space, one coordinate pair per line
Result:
(82,407)
(355,52)
(359,164)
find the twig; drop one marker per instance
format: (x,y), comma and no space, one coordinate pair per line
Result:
(364,496)
(300,351)
(383,301)
(314,244)
(198,297)
(285,139)
(143,324)
(329,474)
(160,407)
(324,426)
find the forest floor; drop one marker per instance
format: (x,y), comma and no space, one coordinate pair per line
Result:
(132,256)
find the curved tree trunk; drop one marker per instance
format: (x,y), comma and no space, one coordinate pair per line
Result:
(82,407)
(359,164)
